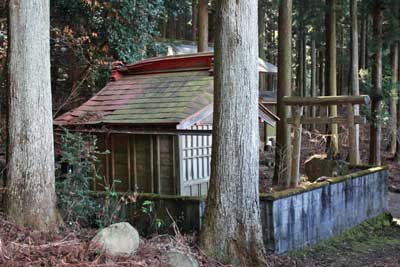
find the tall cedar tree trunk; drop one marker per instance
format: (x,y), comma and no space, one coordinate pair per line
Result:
(394,97)
(31,199)
(232,226)
(331,88)
(355,84)
(283,145)
(376,128)
(203,26)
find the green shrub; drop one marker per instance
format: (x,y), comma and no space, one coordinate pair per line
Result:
(76,171)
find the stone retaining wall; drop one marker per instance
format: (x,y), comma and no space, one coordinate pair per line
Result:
(293,219)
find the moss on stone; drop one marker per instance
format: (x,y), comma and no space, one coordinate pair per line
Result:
(333,180)
(338,179)
(292,191)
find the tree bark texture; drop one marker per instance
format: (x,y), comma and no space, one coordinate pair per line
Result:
(283,143)
(355,83)
(376,128)
(232,227)
(394,97)
(31,199)
(203,26)
(331,85)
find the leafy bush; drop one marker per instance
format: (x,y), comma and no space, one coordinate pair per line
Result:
(151,223)
(77,171)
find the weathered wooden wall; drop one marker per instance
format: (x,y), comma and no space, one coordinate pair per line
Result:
(140,163)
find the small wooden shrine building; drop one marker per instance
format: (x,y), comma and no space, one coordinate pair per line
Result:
(155,118)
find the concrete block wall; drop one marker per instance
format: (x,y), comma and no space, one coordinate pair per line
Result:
(295,219)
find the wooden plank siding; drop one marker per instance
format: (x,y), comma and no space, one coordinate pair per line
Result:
(141,163)
(160,163)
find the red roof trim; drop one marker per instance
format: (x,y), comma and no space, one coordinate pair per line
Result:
(201,61)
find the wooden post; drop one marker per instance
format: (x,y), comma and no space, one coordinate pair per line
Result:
(174,178)
(354,160)
(111,181)
(152,164)
(296,151)
(134,164)
(108,147)
(129,164)
(158,163)
(265,135)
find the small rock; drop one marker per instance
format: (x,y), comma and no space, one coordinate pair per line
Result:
(180,259)
(120,239)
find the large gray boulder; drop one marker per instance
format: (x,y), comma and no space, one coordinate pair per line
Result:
(318,166)
(180,259)
(119,239)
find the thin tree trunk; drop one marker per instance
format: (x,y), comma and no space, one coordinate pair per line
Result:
(376,128)
(355,84)
(203,26)
(262,41)
(341,66)
(283,145)
(232,226)
(313,76)
(321,72)
(178,27)
(194,20)
(394,97)
(304,62)
(270,57)
(31,199)
(300,65)
(331,88)
(363,44)
(397,155)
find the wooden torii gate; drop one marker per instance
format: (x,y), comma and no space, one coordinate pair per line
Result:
(297,120)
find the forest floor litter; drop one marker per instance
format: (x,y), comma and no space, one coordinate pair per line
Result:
(375,243)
